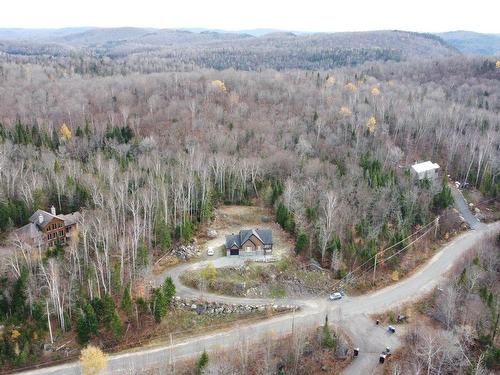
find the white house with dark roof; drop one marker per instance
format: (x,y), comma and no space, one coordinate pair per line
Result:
(250,242)
(46,229)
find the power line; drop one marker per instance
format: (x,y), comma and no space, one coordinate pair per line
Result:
(351,273)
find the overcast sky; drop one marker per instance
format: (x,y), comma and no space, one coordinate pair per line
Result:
(303,15)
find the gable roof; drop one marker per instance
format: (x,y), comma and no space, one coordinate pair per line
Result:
(47,218)
(264,235)
(233,240)
(68,219)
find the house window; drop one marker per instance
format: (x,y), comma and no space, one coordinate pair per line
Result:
(248,249)
(61,233)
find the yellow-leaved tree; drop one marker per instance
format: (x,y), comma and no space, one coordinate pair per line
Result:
(209,273)
(498,64)
(65,132)
(93,360)
(219,85)
(331,81)
(375,91)
(371,124)
(351,87)
(345,112)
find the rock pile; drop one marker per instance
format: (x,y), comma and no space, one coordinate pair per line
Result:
(219,308)
(186,252)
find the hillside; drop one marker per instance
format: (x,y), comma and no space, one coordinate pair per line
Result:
(222,50)
(473,43)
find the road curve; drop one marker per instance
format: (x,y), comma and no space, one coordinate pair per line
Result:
(351,313)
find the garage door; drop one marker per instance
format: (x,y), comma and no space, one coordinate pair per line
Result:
(235,252)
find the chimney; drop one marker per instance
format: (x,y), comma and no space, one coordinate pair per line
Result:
(40,219)
(53,210)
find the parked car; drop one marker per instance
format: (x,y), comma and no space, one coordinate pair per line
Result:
(210,251)
(391,329)
(335,296)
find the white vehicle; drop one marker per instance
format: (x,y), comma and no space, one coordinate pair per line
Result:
(335,296)
(210,251)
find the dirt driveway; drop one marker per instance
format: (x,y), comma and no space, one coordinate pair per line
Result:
(232,219)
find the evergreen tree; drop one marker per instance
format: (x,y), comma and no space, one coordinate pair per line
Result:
(127,300)
(116,325)
(328,340)
(108,310)
(202,362)
(86,325)
(82,330)
(160,305)
(98,306)
(19,295)
(163,237)
(142,255)
(302,242)
(187,231)
(3,133)
(91,318)
(54,144)
(168,290)
(443,199)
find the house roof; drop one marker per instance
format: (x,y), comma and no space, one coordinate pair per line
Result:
(47,217)
(424,167)
(29,232)
(68,219)
(264,235)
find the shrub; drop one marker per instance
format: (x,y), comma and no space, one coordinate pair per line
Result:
(202,362)
(93,360)
(328,340)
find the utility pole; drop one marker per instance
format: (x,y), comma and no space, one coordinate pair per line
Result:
(436,227)
(171,360)
(375,267)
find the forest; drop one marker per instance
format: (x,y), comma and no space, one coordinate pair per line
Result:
(146,157)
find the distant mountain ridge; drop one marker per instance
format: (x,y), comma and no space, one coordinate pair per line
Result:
(472,43)
(223,50)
